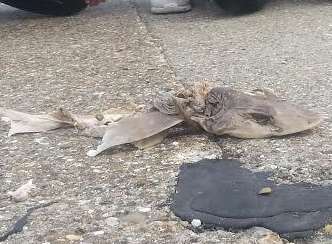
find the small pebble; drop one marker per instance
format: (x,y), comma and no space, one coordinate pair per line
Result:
(273,166)
(92,153)
(73,237)
(265,191)
(42,141)
(112,221)
(98,233)
(99,117)
(196,223)
(144,209)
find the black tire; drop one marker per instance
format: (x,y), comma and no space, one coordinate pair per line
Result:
(238,7)
(48,7)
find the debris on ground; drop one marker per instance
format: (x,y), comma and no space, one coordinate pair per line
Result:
(260,235)
(135,129)
(217,110)
(220,111)
(22,221)
(328,229)
(73,237)
(265,191)
(221,193)
(134,218)
(22,193)
(196,223)
(28,123)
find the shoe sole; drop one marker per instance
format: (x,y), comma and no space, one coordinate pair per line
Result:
(170,9)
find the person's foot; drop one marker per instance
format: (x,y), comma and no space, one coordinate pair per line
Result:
(169,6)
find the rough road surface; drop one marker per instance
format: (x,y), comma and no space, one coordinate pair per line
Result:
(118,55)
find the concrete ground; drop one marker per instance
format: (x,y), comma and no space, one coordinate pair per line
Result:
(119,55)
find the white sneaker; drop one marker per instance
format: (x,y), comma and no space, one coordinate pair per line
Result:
(169,6)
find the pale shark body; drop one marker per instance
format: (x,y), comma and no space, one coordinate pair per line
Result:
(220,111)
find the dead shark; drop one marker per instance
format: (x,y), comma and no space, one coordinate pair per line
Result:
(217,110)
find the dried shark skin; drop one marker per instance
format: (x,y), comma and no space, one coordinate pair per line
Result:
(30,123)
(253,116)
(151,141)
(218,111)
(238,114)
(134,129)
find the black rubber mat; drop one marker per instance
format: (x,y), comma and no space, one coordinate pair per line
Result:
(223,194)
